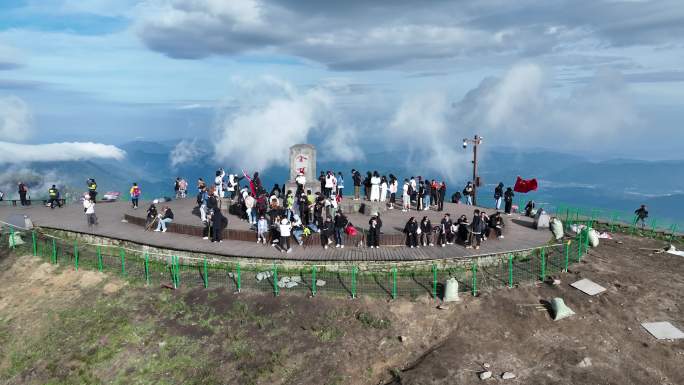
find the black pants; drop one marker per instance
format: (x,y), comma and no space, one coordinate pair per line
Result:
(475,238)
(497,230)
(216,232)
(53,202)
(134,201)
(442,238)
(373,238)
(338,235)
(324,238)
(508,206)
(328,192)
(22,198)
(285,243)
(206,231)
(93,195)
(412,239)
(440,203)
(426,238)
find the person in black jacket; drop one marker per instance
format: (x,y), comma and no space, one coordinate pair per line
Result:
(151,216)
(440,196)
(477,228)
(508,200)
(374,226)
(218,222)
(411,231)
(367,185)
(528,208)
(356,177)
(445,231)
(327,230)
(641,215)
(321,180)
(340,224)
(463,230)
(456,197)
(496,224)
(498,195)
(426,232)
(166,217)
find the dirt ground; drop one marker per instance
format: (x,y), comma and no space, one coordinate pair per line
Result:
(60,326)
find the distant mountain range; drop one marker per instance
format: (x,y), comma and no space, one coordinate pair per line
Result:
(619,184)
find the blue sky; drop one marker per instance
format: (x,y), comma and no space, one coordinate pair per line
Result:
(600,76)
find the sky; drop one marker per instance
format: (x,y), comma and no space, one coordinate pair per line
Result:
(602,77)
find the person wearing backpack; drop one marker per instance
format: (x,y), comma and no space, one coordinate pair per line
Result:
(135,195)
(53,193)
(498,195)
(468,193)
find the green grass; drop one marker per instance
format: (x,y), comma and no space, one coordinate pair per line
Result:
(370,321)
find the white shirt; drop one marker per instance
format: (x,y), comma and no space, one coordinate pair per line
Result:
(375,180)
(89,206)
(406,188)
(285,228)
(393,187)
(329,181)
(301,179)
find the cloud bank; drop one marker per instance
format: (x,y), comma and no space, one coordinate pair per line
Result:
(187,150)
(14,153)
(274,115)
(15,119)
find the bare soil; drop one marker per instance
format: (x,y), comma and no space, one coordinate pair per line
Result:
(62,326)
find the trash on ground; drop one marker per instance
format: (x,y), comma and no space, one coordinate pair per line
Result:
(663,330)
(560,310)
(588,287)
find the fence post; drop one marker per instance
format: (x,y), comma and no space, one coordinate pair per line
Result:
(673,231)
(543,264)
(586,241)
(313,280)
(434,280)
(123,262)
(99,258)
(54,251)
(653,227)
(567,256)
(394,282)
(147,268)
(275,279)
(239,278)
(206,278)
(35,246)
(76,254)
(510,270)
(353,282)
(12,243)
(474,271)
(579,246)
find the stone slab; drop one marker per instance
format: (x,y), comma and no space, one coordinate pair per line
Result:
(663,330)
(588,287)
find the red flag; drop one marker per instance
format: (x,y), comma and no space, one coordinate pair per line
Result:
(525,185)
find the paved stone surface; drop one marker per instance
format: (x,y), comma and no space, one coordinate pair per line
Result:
(519,233)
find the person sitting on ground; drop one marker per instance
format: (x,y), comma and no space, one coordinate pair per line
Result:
(456,197)
(327,231)
(340,224)
(641,215)
(426,232)
(529,207)
(165,218)
(496,224)
(53,193)
(151,215)
(445,231)
(411,231)
(463,230)
(374,226)
(285,232)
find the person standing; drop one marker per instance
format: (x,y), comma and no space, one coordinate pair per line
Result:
(218,182)
(92,189)
(427,195)
(321,180)
(412,190)
(356,177)
(53,193)
(419,196)
(440,196)
(341,223)
(411,231)
(383,189)
(445,231)
(285,232)
(426,232)
(327,231)
(330,182)
(375,187)
(468,193)
(217,223)
(641,215)
(393,187)
(183,188)
(508,201)
(498,195)
(250,207)
(135,195)
(374,226)
(477,227)
(340,184)
(89,209)
(367,185)
(176,187)
(406,196)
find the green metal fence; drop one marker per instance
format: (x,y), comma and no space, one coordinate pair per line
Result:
(483,273)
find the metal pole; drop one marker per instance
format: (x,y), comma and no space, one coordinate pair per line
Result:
(123,262)
(206,278)
(510,270)
(434,280)
(99,259)
(12,243)
(54,251)
(275,279)
(353,282)
(147,268)
(474,271)
(76,254)
(394,282)
(313,280)
(35,247)
(239,278)
(475,143)
(543,264)
(567,256)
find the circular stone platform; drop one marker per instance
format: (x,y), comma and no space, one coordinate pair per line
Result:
(183,233)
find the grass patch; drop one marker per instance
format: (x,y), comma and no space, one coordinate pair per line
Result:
(370,321)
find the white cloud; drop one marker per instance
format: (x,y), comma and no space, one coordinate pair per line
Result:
(37,182)
(273,115)
(15,119)
(14,153)
(185,151)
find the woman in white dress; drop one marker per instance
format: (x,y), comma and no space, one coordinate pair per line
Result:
(383,189)
(375,187)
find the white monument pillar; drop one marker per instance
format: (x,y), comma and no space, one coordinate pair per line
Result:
(303,160)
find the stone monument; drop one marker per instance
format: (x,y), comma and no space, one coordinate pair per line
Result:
(303,160)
